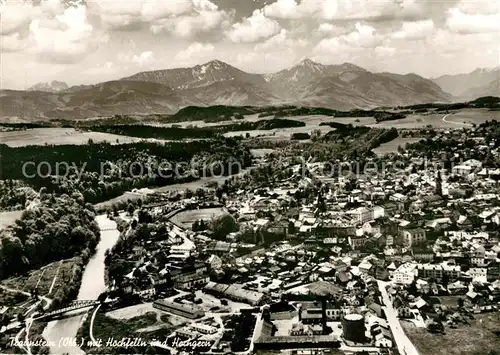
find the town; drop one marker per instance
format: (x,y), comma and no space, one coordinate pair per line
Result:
(297,258)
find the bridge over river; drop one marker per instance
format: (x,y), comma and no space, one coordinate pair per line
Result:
(73,306)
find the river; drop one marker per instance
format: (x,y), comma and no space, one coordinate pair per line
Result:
(91,287)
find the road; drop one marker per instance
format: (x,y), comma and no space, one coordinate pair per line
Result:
(453,122)
(29,322)
(256,333)
(91,331)
(405,346)
(54,279)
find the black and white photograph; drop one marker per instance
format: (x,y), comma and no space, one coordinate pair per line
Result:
(295,177)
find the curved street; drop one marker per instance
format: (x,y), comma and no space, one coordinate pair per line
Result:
(453,122)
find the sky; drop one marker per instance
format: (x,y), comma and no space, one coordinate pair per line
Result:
(90,41)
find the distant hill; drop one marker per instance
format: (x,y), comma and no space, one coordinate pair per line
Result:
(341,87)
(490,89)
(114,97)
(468,85)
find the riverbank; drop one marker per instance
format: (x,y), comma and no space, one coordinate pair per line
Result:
(92,285)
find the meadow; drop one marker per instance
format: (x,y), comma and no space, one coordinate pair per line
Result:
(59,136)
(479,338)
(187,218)
(9,217)
(456,120)
(392,146)
(261,152)
(312,123)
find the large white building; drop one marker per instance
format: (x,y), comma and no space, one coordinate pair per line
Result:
(362,214)
(405,273)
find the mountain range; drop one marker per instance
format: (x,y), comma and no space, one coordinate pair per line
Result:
(345,86)
(480,82)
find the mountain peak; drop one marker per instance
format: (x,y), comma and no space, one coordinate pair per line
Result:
(53,86)
(216,64)
(308,62)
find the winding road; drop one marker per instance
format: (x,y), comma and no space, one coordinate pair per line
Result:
(453,122)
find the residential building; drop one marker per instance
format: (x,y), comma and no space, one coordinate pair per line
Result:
(414,236)
(405,274)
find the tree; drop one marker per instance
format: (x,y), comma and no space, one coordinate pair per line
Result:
(188,193)
(218,193)
(315,134)
(4,320)
(130,209)
(413,288)
(200,193)
(117,271)
(223,225)
(445,280)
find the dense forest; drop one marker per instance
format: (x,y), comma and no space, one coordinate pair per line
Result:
(491,102)
(145,131)
(102,171)
(212,113)
(16,195)
(390,116)
(59,227)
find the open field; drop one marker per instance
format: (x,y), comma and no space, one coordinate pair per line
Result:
(43,278)
(9,217)
(312,123)
(132,196)
(187,218)
(201,182)
(392,146)
(261,152)
(42,136)
(480,338)
(247,118)
(456,120)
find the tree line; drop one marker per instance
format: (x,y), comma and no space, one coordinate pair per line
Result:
(60,227)
(101,171)
(178,133)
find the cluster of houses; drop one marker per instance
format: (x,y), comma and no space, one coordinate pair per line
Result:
(424,231)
